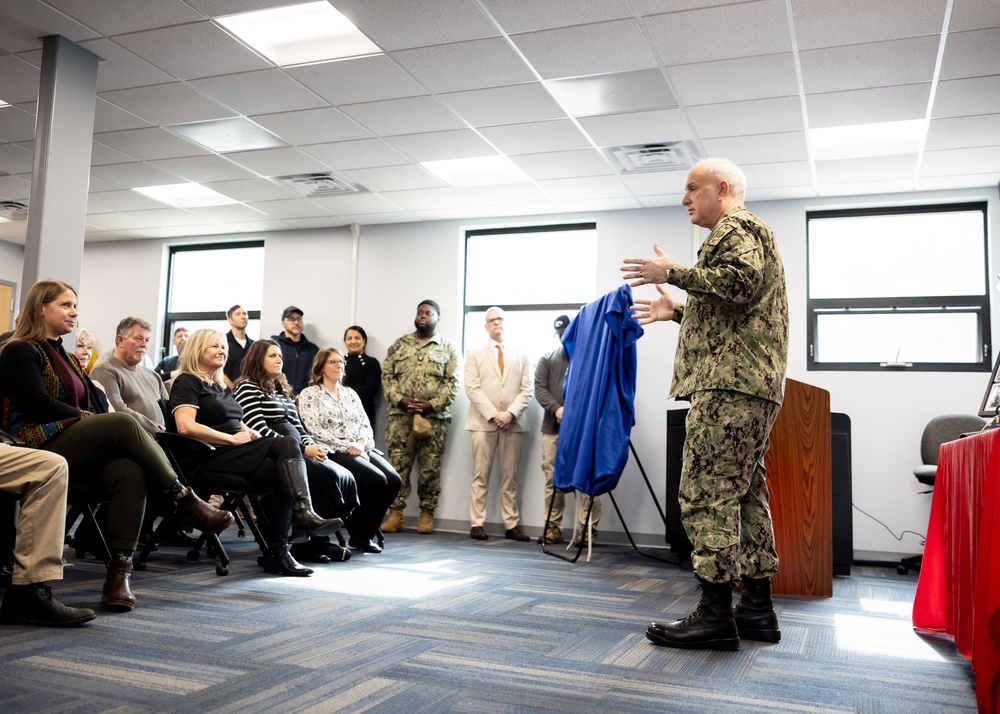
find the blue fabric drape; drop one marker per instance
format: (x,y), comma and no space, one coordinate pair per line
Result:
(599,409)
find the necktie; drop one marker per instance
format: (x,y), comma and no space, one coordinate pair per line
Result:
(500,358)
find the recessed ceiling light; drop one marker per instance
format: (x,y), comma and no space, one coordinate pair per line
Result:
(300,34)
(232,134)
(478,171)
(860,141)
(3,103)
(185,195)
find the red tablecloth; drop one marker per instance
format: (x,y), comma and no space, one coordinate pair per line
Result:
(959,587)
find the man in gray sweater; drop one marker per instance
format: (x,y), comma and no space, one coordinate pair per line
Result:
(131,387)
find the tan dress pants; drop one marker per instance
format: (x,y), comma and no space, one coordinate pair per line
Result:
(486,445)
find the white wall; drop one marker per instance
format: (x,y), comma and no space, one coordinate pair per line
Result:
(401,264)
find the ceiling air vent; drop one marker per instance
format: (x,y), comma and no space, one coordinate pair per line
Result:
(662,156)
(325,184)
(13,211)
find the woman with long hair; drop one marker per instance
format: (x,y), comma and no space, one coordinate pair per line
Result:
(334,417)
(204,408)
(47,400)
(265,395)
(362,372)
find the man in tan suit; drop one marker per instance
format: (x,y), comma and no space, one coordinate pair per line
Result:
(498,384)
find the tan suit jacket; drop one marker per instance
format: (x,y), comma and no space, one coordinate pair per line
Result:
(491,393)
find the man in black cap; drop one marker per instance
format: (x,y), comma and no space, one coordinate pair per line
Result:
(550,374)
(297,352)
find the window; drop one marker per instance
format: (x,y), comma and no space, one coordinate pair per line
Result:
(900,288)
(534,273)
(204,281)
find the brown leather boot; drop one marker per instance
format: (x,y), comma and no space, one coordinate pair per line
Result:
(117,594)
(192,512)
(425,524)
(394,523)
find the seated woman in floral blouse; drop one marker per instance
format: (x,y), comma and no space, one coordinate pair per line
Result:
(334,416)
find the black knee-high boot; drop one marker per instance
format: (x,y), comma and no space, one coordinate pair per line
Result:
(305,522)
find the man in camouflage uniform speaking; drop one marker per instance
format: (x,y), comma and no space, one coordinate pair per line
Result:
(419,376)
(730,364)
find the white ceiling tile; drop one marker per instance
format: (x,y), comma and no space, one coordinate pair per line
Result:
(404,116)
(777,175)
(777,194)
(868,106)
(529,15)
(15,159)
(291,208)
(16,124)
(395,178)
(13,188)
(902,167)
(517,193)
(326,221)
(200,49)
(987,181)
(735,80)
(760,149)
(252,189)
(600,204)
(28,21)
(504,105)
(261,92)
(962,132)
(532,137)
(430,198)
(173,103)
(260,226)
(360,154)
(874,64)
(863,188)
(848,22)
(961,97)
(974,14)
(614,46)
(119,68)
(132,175)
(949,162)
(277,162)
(114,17)
(365,79)
(312,126)
(98,184)
(377,219)
(613,93)
(166,217)
(971,54)
(101,154)
(394,26)
(655,183)
(660,201)
(438,145)
(116,221)
(359,204)
(221,8)
(449,214)
(563,164)
(126,201)
(591,187)
(18,80)
(762,116)
(151,143)
(203,169)
(465,65)
(233,213)
(637,128)
(712,33)
(109,117)
(526,209)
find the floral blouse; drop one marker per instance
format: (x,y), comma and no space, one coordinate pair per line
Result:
(335,422)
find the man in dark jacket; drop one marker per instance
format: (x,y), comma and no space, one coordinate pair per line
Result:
(297,351)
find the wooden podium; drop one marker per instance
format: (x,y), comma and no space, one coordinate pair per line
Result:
(799,479)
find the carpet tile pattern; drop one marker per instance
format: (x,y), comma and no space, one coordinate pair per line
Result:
(445,624)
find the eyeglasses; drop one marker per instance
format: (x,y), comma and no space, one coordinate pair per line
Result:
(494,320)
(294,319)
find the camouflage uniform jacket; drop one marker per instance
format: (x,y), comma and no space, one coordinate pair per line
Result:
(428,371)
(734,326)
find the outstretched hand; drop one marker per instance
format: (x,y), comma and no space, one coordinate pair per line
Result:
(660,309)
(642,271)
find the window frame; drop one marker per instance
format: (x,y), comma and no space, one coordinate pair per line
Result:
(952,304)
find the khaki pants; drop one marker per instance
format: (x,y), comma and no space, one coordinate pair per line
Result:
(550,443)
(485,446)
(39,480)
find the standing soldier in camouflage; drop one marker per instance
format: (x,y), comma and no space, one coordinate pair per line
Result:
(730,364)
(419,376)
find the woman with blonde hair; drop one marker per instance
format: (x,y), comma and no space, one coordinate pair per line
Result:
(205,409)
(83,350)
(50,404)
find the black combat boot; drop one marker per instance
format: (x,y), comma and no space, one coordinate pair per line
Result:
(709,627)
(754,613)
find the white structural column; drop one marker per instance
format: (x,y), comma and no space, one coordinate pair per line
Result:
(60,179)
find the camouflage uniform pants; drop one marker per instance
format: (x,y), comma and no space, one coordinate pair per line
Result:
(427,454)
(723,493)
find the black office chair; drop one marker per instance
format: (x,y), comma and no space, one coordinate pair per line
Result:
(939,430)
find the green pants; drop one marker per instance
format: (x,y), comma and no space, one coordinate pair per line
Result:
(112,453)
(426,453)
(723,493)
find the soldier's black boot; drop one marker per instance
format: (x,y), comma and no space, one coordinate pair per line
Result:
(709,627)
(754,613)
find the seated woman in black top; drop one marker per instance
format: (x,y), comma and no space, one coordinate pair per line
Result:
(204,408)
(362,373)
(334,417)
(50,404)
(265,395)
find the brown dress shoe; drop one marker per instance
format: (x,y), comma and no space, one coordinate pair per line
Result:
(516,533)
(478,533)
(117,594)
(192,512)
